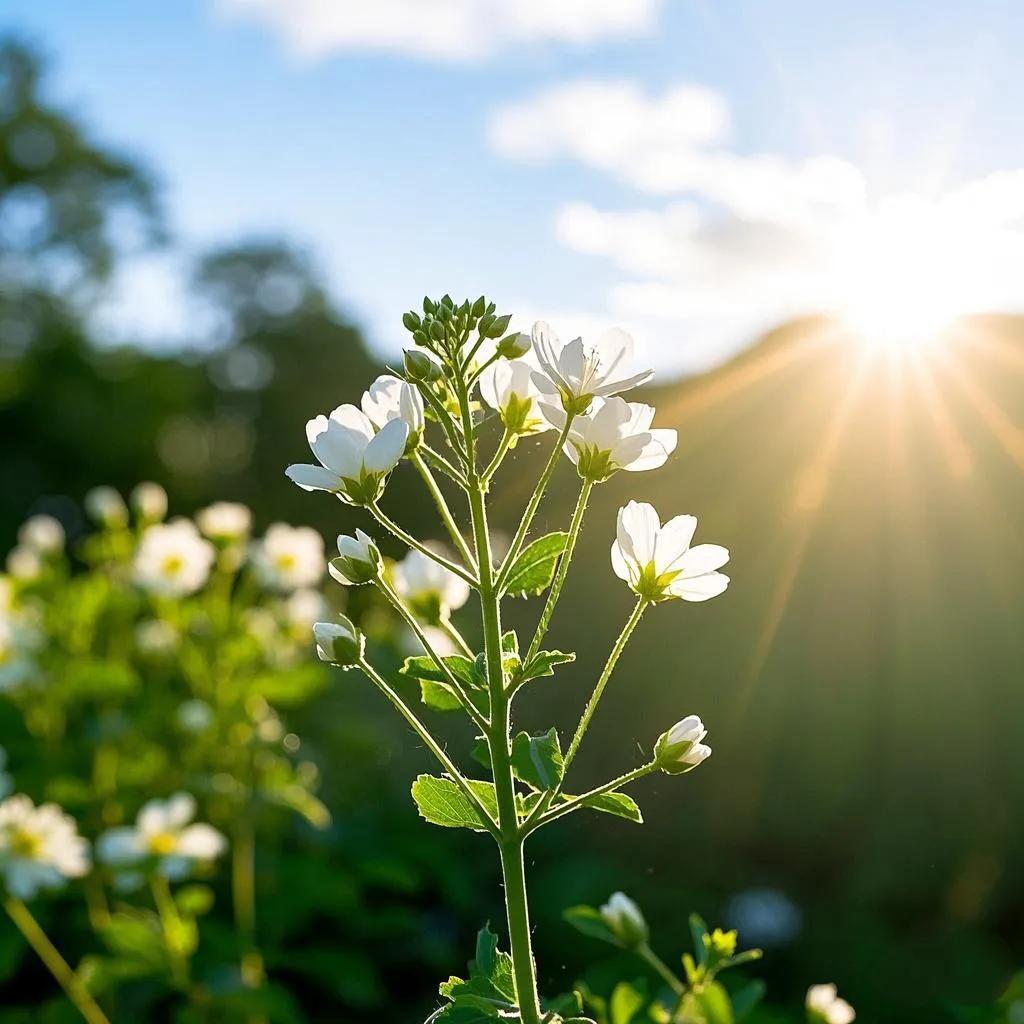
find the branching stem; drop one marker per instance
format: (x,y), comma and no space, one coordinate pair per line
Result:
(412,542)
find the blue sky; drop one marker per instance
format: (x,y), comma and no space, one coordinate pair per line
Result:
(694,170)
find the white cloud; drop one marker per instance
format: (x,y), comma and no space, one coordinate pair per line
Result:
(748,241)
(442,29)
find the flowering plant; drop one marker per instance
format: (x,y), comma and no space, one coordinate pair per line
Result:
(466,375)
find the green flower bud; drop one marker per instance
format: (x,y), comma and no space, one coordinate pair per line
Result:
(419,366)
(358,560)
(436,330)
(681,748)
(479,307)
(411,321)
(429,306)
(339,643)
(625,921)
(499,326)
(512,346)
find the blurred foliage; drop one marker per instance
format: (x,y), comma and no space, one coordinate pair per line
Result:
(862,679)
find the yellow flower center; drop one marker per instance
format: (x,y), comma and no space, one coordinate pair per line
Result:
(173,564)
(162,844)
(26,844)
(285,561)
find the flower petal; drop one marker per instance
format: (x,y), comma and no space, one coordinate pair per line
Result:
(201,841)
(659,444)
(675,538)
(119,846)
(385,450)
(637,529)
(703,558)
(699,588)
(312,478)
(615,386)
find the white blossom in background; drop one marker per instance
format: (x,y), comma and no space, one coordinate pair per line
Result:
(681,748)
(194,715)
(149,501)
(389,398)
(164,833)
(156,637)
(428,586)
(225,521)
(42,534)
(24,563)
(508,387)
(358,560)
(173,560)
(40,847)
(288,557)
(354,458)
(625,920)
(440,642)
(106,506)
(613,434)
(825,1007)
(657,561)
(576,372)
(304,607)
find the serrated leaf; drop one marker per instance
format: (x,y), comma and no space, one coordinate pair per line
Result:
(542,664)
(441,802)
(439,696)
(462,668)
(537,760)
(532,572)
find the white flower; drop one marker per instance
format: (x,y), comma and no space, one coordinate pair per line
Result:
(358,560)
(156,637)
(149,501)
(338,643)
(390,398)
(429,587)
(354,461)
(625,920)
(162,833)
(24,563)
(681,749)
(106,506)
(289,557)
(304,607)
(173,559)
(42,534)
(825,1007)
(658,562)
(225,520)
(577,372)
(509,388)
(613,434)
(194,715)
(40,847)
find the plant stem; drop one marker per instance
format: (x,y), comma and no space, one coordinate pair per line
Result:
(531,508)
(57,965)
(172,927)
(243,892)
(649,956)
(538,817)
(606,674)
(492,467)
(409,541)
(510,841)
(563,570)
(432,745)
(443,510)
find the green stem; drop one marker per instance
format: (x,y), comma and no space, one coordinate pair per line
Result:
(492,467)
(432,745)
(455,636)
(443,510)
(409,541)
(170,920)
(536,820)
(563,570)
(531,508)
(650,957)
(442,417)
(606,674)
(243,891)
(450,678)
(72,985)
(441,463)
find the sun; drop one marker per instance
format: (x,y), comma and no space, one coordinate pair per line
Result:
(903,275)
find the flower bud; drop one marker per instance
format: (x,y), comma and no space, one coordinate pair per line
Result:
(499,325)
(514,346)
(680,749)
(479,307)
(411,321)
(107,507)
(429,306)
(150,502)
(358,560)
(338,643)
(436,330)
(419,366)
(625,920)
(42,534)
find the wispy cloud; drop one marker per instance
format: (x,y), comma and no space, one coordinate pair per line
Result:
(459,30)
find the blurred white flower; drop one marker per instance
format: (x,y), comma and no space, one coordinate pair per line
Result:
(825,1007)
(42,534)
(440,642)
(358,560)
(173,559)
(261,624)
(225,520)
(680,749)
(40,847)
(305,607)
(354,459)
(163,833)
(106,506)
(577,372)
(625,920)
(508,387)
(6,595)
(613,434)
(658,562)
(338,643)
(288,557)
(390,398)
(24,563)
(429,587)
(194,715)
(156,637)
(149,501)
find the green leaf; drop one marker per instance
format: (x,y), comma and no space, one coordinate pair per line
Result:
(543,664)
(534,569)
(714,1004)
(537,760)
(439,696)
(698,929)
(745,999)
(194,900)
(588,921)
(462,668)
(98,680)
(626,1002)
(617,804)
(441,802)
